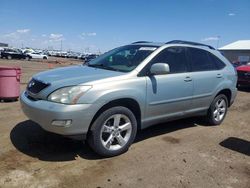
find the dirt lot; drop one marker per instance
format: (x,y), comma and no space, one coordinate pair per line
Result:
(177,154)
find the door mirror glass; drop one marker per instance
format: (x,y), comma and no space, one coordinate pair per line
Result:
(159,68)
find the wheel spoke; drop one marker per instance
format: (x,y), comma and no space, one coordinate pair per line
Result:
(217,104)
(107,129)
(121,140)
(217,118)
(109,141)
(222,103)
(125,127)
(215,113)
(223,110)
(117,119)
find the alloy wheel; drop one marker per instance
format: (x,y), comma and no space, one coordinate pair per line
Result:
(116,132)
(220,109)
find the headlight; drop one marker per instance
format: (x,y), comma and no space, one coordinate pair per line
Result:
(68,95)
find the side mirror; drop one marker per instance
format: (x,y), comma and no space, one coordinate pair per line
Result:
(159,68)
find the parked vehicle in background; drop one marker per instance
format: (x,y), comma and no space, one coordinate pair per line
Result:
(131,87)
(10,53)
(83,56)
(73,55)
(61,54)
(52,53)
(243,75)
(89,58)
(37,55)
(1,49)
(27,50)
(238,63)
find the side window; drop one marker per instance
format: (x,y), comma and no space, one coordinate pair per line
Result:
(219,64)
(200,60)
(175,57)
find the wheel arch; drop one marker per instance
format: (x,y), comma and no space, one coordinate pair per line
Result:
(129,103)
(227,93)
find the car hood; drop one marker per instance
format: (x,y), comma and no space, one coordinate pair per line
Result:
(244,68)
(74,75)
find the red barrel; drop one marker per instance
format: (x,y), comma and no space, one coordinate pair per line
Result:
(10,82)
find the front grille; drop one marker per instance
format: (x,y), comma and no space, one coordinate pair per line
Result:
(36,86)
(30,97)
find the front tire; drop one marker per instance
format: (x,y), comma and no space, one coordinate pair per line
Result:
(9,57)
(218,110)
(113,131)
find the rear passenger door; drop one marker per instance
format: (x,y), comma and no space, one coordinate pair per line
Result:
(207,76)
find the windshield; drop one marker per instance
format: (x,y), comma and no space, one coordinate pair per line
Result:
(124,59)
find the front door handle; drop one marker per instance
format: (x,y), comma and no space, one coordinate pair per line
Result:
(219,76)
(188,79)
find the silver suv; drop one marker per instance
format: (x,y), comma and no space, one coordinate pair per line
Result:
(131,87)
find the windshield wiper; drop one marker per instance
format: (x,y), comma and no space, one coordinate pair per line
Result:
(94,65)
(102,66)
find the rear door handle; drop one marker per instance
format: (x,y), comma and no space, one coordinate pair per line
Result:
(219,76)
(188,79)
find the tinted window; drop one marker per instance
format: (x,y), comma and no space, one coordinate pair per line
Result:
(219,64)
(200,60)
(124,59)
(175,57)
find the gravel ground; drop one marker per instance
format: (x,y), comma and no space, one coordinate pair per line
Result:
(182,153)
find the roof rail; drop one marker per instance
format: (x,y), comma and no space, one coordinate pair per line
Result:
(190,43)
(140,42)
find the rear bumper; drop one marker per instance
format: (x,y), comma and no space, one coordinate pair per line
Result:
(45,112)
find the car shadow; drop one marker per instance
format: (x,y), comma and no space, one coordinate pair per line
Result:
(165,128)
(30,139)
(237,144)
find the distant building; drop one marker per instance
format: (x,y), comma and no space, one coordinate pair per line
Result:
(3,45)
(237,51)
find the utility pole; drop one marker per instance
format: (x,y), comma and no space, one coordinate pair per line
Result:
(61,45)
(217,46)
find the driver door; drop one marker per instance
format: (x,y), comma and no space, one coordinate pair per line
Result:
(169,95)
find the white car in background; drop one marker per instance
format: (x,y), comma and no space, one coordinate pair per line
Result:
(38,55)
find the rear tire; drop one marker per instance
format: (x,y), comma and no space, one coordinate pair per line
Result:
(9,57)
(113,131)
(218,110)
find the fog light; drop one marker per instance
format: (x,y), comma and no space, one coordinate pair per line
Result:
(62,123)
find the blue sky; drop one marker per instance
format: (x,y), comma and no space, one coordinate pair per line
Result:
(105,24)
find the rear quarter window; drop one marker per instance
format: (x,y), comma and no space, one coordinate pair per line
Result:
(200,60)
(218,63)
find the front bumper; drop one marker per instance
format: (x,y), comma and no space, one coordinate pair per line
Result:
(45,112)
